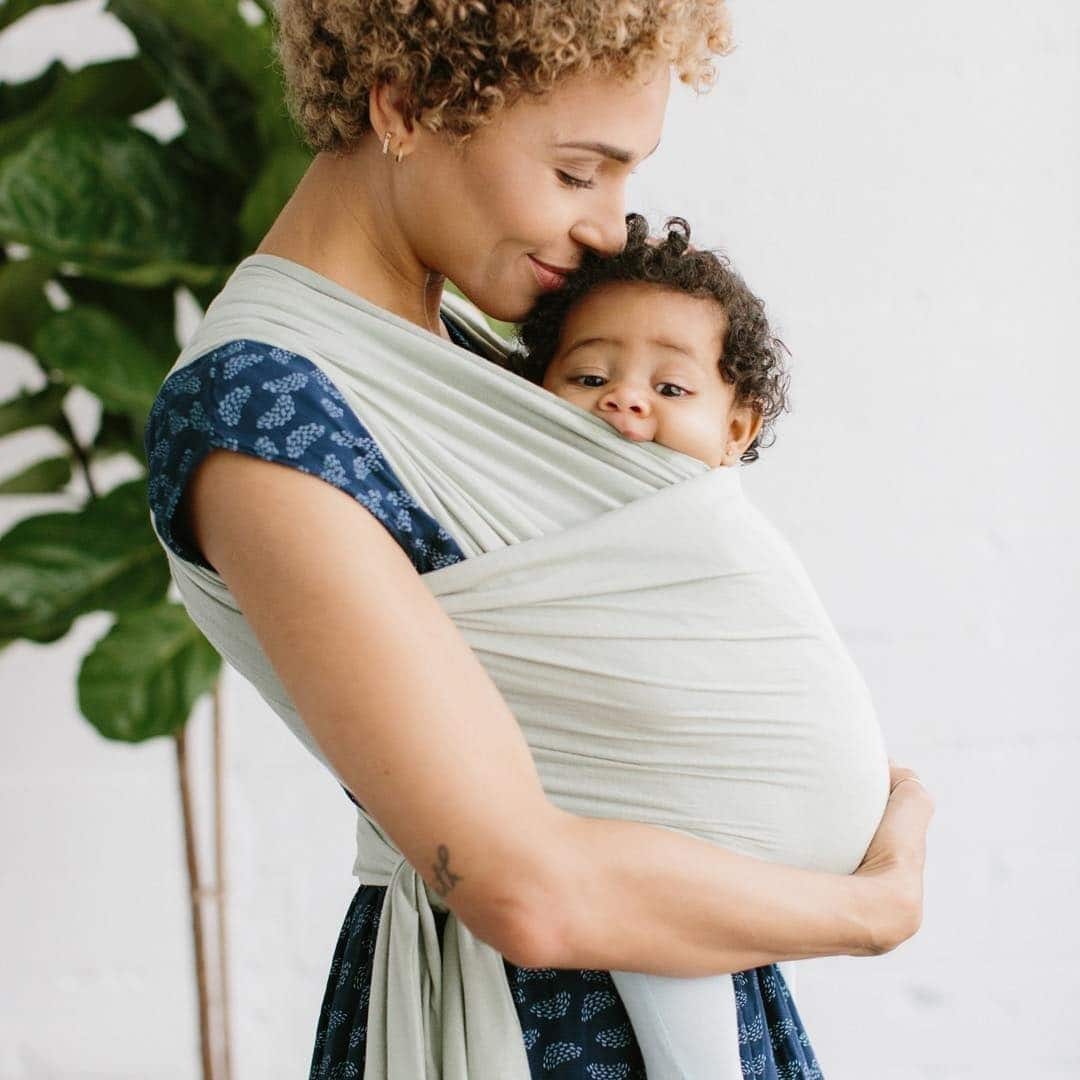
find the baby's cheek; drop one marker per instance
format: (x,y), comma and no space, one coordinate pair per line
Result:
(567,391)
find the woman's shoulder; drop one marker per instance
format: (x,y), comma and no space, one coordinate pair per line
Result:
(268,402)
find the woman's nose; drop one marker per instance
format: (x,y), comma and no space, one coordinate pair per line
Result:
(604,229)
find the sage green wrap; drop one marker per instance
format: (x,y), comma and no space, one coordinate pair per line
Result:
(660,644)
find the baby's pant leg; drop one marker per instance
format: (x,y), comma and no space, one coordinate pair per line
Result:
(687,1028)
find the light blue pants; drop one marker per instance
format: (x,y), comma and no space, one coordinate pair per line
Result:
(687,1029)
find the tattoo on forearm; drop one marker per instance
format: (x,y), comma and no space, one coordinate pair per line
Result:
(445,879)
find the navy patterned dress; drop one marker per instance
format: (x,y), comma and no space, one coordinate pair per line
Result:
(259,400)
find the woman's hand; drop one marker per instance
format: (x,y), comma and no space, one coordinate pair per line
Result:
(893,865)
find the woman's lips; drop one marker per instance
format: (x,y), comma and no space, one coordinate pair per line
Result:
(549,277)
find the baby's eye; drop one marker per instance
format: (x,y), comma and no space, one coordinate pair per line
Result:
(599,380)
(681,391)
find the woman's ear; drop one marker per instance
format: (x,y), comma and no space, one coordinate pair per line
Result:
(387,118)
(744,424)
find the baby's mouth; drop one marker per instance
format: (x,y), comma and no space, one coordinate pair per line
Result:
(627,431)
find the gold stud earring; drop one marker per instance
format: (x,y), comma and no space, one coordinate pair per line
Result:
(386,143)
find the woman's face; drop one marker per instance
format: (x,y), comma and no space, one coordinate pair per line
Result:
(545,179)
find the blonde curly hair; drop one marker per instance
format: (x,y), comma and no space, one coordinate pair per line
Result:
(457,61)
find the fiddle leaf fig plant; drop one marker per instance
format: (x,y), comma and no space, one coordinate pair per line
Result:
(102,224)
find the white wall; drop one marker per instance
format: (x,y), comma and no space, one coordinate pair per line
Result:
(899,183)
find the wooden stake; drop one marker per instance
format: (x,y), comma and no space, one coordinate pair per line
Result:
(196,904)
(219,874)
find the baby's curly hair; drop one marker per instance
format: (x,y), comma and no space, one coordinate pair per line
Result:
(752,359)
(457,61)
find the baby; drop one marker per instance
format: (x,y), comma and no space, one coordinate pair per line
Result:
(663,342)
(666,344)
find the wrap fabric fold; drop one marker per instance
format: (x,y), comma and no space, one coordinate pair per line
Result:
(444,1010)
(659,643)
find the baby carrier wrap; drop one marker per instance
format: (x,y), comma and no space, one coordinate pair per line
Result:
(658,642)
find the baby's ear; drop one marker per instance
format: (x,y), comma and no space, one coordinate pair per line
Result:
(744,425)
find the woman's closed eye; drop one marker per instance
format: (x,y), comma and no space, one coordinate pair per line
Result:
(570,180)
(574,181)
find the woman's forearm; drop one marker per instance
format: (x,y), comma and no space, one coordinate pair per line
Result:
(642,898)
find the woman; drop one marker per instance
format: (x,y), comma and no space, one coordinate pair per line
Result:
(559,102)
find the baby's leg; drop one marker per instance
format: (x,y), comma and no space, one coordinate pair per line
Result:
(687,1028)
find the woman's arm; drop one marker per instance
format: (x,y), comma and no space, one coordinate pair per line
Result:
(650,899)
(416,729)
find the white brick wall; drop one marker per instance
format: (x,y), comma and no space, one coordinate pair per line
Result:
(899,183)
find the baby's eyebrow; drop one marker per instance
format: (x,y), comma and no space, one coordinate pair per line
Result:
(662,342)
(670,345)
(586,341)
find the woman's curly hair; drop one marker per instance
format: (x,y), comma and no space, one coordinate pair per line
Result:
(457,61)
(752,359)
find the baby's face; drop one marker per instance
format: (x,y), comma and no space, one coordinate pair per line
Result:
(646,359)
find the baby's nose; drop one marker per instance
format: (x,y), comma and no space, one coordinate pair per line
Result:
(626,397)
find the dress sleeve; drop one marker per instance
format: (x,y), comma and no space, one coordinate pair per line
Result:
(274,404)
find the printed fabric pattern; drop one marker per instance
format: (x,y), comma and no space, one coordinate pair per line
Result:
(254,398)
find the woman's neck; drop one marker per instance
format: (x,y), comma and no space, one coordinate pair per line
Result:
(339,224)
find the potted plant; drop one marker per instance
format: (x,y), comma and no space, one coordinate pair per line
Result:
(103,228)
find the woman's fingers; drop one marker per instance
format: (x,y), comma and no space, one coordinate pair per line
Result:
(910,808)
(899,773)
(901,834)
(896,856)
(913,807)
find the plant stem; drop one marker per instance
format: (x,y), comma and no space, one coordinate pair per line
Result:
(219,874)
(196,904)
(80,454)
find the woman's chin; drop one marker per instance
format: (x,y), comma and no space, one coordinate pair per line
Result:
(503,307)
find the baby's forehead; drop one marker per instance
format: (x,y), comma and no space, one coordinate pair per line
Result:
(621,314)
(635,301)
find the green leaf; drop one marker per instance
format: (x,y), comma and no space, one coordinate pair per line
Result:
(151,313)
(218,107)
(89,347)
(113,201)
(143,678)
(33,409)
(23,306)
(114,88)
(271,191)
(21,97)
(245,50)
(220,29)
(118,434)
(16,9)
(46,477)
(56,567)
